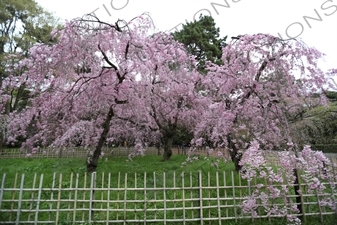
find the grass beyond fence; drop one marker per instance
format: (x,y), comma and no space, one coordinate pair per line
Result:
(80,152)
(167,198)
(76,152)
(108,152)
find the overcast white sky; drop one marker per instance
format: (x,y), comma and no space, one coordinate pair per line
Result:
(234,17)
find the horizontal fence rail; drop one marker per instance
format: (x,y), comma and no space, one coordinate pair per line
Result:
(161,198)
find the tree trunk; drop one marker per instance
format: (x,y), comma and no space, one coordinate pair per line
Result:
(236,156)
(158,148)
(1,141)
(297,189)
(167,148)
(93,161)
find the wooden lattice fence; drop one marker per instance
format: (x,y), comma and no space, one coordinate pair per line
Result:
(115,198)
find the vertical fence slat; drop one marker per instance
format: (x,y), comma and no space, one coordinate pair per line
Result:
(250,193)
(191,194)
(125,195)
(201,216)
(164,197)
(84,197)
(145,198)
(32,197)
(333,163)
(209,193)
(225,192)
(155,194)
(135,196)
(174,195)
(319,206)
(300,194)
(20,199)
(240,191)
(102,197)
(70,195)
(2,188)
(38,200)
(108,200)
(218,196)
(183,196)
(265,184)
(234,197)
(92,196)
(58,199)
(118,191)
(75,198)
(51,197)
(13,196)
(334,166)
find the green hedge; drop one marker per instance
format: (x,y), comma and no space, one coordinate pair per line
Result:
(326,148)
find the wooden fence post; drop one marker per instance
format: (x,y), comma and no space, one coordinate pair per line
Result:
(164,196)
(218,196)
(234,197)
(20,199)
(92,196)
(298,193)
(200,197)
(2,188)
(38,201)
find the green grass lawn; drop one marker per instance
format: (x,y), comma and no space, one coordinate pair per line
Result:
(139,164)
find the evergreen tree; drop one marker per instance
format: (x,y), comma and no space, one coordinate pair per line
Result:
(202,39)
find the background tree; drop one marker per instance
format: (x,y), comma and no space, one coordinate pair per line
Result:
(257,94)
(23,23)
(202,39)
(171,104)
(167,97)
(97,76)
(264,85)
(78,85)
(317,123)
(320,123)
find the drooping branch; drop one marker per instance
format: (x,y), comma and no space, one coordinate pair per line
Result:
(106,58)
(127,50)
(119,76)
(97,20)
(258,76)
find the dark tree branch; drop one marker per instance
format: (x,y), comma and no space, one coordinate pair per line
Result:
(107,59)
(127,50)
(120,78)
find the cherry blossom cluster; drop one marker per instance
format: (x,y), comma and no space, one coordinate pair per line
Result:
(276,183)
